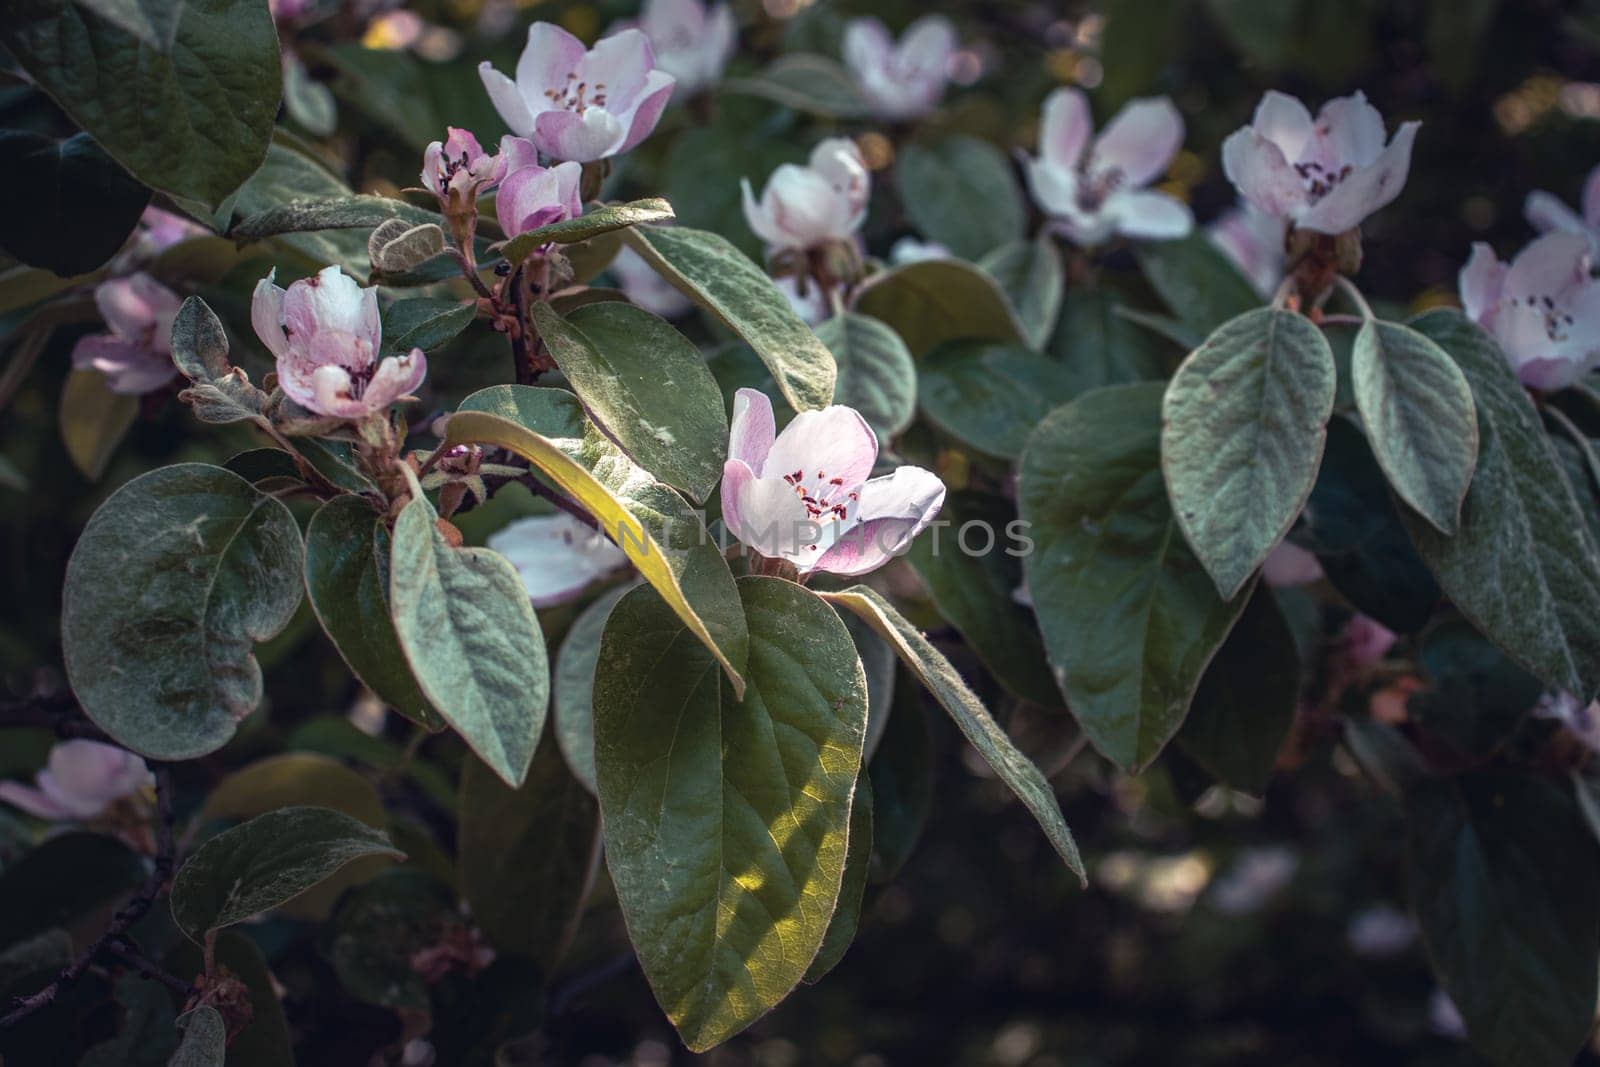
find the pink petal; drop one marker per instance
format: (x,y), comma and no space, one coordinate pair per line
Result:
(266,314)
(130,369)
(1286,122)
(1064,128)
(34,802)
(518,152)
(397,376)
(549,56)
(646,111)
(866,45)
(1547,267)
(1545,212)
(333,393)
(1349,130)
(432,167)
(765,513)
(1288,565)
(582,138)
(1548,374)
(332,300)
(1055,189)
(620,63)
(523,196)
(507,100)
(894,509)
(926,46)
(1591,198)
(757,217)
(1480,282)
(1366,190)
(752,429)
(1141,140)
(124,307)
(835,442)
(1156,216)
(1258,170)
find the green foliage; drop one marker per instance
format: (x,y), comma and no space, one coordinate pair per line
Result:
(989,395)
(960,192)
(82,204)
(876,374)
(1033,278)
(601,220)
(939,300)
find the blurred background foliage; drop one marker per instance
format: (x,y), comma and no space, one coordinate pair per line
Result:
(1217,929)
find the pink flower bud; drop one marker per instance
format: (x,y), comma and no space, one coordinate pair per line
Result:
(535,196)
(803,207)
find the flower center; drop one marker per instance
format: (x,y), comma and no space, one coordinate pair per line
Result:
(577,95)
(824,497)
(1319,180)
(1095,185)
(1556,319)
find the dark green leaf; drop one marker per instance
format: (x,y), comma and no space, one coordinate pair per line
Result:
(175,577)
(182,95)
(876,374)
(205,1038)
(1418,412)
(1032,276)
(93,421)
(814,84)
(857,860)
(81,205)
(726,823)
(427,323)
(1244,423)
(1199,283)
(287,175)
(1247,699)
(265,862)
(968,713)
(902,782)
(718,277)
(573,686)
(1130,618)
(308,102)
(939,300)
(265,1040)
(307,214)
(647,386)
(1505,881)
(961,193)
(63,880)
(1097,346)
(1476,695)
(468,630)
(219,392)
(593,223)
(990,396)
(1522,565)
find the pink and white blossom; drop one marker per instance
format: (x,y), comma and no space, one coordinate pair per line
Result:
(1324,174)
(81,780)
(1581,720)
(1289,565)
(1543,308)
(807,495)
(1254,241)
(534,196)
(693,41)
(911,250)
(1094,191)
(904,79)
(557,556)
(645,287)
(160,230)
(1548,214)
(803,207)
(326,335)
(581,104)
(136,355)
(457,170)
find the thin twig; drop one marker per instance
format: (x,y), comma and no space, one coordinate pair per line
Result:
(50,712)
(560,500)
(130,913)
(124,950)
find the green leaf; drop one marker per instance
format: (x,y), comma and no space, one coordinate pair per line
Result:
(1522,565)
(810,83)
(1505,881)
(397,246)
(961,193)
(573,686)
(721,279)
(1247,699)
(990,396)
(852,888)
(218,392)
(347,580)
(182,95)
(654,526)
(306,214)
(1353,525)
(969,714)
(469,632)
(265,1039)
(938,300)
(972,578)
(528,856)
(1244,422)
(175,577)
(603,219)
(1476,695)
(876,374)
(381,926)
(1419,417)
(266,862)
(1033,278)
(205,1038)
(703,164)
(1199,283)
(879,663)
(1130,619)
(902,783)
(307,101)
(81,206)
(647,386)
(1098,346)
(726,823)
(287,175)
(147,1036)
(427,323)
(65,879)
(93,421)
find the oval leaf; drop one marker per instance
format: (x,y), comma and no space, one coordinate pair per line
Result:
(646,386)
(727,824)
(177,574)
(939,300)
(573,686)
(811,83)
(650,523)
(347,579)
(853,887)
(604,219)
(1199,283)
(1130,619)
(469,632)
(721,279)
(990,396)
(876,374)
(1419,416)
(426,323)
(974,720)
(961,193)
(205,1039)
(1033,277)
(265,862)
(1522,565)
(1244,423)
